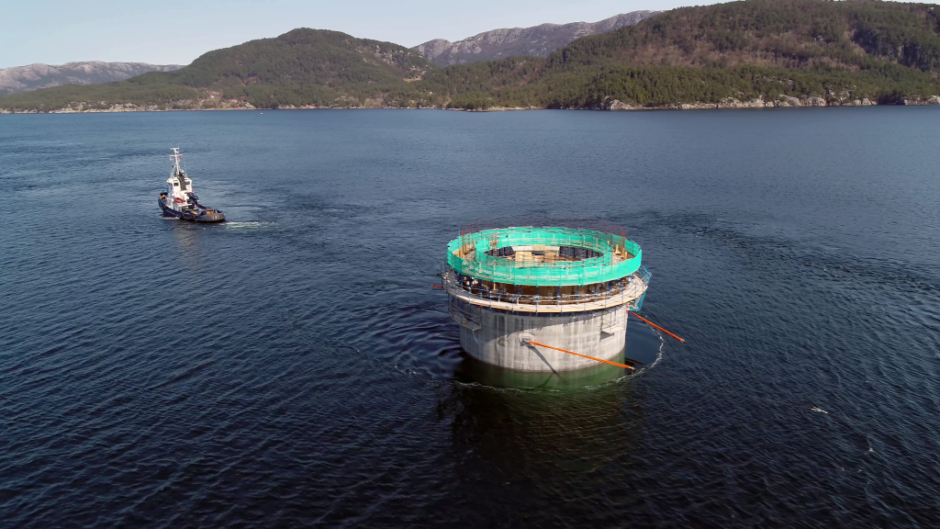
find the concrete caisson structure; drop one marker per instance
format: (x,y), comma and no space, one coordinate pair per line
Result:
(566,287)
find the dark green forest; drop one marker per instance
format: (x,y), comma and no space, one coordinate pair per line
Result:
(883,51)
(302,67)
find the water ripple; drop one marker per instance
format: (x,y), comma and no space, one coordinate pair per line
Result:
(293,367)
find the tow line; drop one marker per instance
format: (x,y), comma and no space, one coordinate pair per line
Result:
(533,342)
(651,324)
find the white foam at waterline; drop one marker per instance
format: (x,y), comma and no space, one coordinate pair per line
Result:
(248,225)
(640,370)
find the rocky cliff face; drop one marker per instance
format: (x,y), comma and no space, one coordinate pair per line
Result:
(36,76)
(538,41)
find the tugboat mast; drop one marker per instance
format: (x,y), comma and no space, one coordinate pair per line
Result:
(177,171)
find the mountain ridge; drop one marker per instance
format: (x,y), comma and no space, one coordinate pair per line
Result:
(698,57)
(534,41)
(36,76)
(303,67)
(739,54)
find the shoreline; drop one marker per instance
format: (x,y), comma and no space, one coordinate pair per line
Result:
(611,106)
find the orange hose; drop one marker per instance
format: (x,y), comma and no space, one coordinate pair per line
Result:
(657,326)
(581,355)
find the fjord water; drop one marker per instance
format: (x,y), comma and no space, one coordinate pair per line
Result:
(293,367)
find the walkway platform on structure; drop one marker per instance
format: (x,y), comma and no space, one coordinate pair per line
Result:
(631,291)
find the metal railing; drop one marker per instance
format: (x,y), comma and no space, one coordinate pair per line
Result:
(626,290)
(468,255)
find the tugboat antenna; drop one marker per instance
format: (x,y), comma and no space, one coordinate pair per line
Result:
(176,159)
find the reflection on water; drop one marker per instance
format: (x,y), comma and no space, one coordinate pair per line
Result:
(190,251)
(473,370)
(509,446)
(186,237)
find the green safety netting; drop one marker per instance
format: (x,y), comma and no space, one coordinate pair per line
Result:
(480,265)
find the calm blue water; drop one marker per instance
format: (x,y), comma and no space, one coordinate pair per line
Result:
(293,367)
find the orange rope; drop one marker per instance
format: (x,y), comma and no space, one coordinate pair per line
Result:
(657,326)
(581,355)
(438,286)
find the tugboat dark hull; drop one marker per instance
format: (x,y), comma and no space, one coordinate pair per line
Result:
(191,214)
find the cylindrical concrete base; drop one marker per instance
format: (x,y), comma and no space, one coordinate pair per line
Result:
(496,337)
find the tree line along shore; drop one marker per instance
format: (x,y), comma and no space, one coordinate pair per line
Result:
(749,54)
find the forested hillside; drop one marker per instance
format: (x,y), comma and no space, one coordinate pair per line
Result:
(302,67)
(883,51)
(779,33)
(752,53)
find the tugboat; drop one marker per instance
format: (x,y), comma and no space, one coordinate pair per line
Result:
(180,201)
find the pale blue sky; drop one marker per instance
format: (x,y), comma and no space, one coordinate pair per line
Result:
(176,32)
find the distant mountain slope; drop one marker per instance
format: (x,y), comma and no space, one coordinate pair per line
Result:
(755,51)
(36,76)
(851,34)
(537,41)
(301,67)
(303,57)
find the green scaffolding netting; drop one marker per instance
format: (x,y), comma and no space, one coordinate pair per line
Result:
(479,264)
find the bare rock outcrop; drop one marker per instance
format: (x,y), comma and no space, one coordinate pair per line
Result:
(36,76)
(537,41)
(782,101)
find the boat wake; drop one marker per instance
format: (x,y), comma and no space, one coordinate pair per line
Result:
(248,225)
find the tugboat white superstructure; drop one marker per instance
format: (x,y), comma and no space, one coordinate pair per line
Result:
(180,201)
